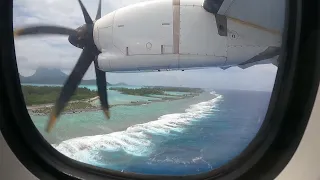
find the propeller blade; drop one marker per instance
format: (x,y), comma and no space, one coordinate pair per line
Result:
(102,89)
(44,29)
(70,85)
(98,16)
(85,13)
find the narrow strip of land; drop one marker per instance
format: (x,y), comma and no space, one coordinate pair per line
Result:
(40,100)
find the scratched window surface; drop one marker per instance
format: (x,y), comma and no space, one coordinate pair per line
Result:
(187,90)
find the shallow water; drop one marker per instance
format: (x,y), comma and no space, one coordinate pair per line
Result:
(186,136)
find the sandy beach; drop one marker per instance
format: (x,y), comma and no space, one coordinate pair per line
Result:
(45,109)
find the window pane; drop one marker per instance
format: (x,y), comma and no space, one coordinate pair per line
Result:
(197,90)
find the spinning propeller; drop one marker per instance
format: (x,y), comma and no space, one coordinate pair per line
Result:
(82,37)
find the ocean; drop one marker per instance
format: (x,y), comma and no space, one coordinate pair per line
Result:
(181,137)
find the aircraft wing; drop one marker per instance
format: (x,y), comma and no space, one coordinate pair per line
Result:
(267,15)
(270,55)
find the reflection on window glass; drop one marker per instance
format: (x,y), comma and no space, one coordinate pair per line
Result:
(188,90)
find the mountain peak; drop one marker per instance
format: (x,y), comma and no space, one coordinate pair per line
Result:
(45,75)
(44,72)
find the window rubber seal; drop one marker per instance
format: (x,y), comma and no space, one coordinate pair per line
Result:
(265,157)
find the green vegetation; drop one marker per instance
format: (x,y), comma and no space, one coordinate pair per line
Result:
(35,95)
(71,107)
(139,91)
(178,89)
(41,95)
(155,90)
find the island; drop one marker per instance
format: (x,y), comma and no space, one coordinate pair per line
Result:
(40,99)
(155,90)
(44,75)
(178,89)
(138,91)
(35,95)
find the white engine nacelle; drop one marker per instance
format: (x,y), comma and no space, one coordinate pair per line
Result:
(172,35)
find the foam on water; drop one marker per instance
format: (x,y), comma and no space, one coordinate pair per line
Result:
(137,140)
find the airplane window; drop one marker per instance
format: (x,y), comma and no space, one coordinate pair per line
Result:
(151,87)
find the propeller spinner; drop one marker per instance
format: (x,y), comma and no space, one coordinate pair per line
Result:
(82,37)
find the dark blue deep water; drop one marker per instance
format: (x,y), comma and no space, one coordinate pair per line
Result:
(206,136)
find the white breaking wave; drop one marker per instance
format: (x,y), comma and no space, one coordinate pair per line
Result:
(137,139)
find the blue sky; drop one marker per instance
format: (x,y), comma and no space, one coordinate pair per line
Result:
(56,52)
